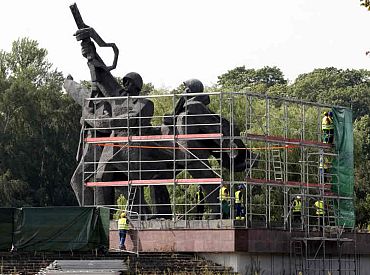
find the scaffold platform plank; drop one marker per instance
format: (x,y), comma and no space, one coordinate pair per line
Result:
(288,140)
(152,138)
(154,182)
(287,183)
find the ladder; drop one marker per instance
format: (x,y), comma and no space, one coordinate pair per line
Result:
(298,256)
(277,164)
(331,214)
(131,197)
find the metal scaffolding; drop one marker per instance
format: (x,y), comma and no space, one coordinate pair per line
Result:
(283,152)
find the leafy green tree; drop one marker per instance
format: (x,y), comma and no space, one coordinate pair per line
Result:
(39,129)
(362,169)
(335,86)
(240,78)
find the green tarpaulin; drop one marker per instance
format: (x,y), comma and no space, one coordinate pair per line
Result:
(56,228)
(6,228)
(343,181)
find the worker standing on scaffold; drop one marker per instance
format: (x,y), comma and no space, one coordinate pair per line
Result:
(324,168)
(123,227)
(297,210)
(239,203)
(320,212)
(224,197)
(199,199)
(327,127)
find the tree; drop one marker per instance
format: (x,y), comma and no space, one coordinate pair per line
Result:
(335,86)
(240,78)
(366,4)
(362,168)
(39,129)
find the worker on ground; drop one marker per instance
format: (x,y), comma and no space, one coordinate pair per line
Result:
(123,226)
(239,203)
(297,210)
(224,199)
(199,199)
(319,206)
(327,128)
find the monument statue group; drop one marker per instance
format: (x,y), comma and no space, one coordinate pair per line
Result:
(131,115)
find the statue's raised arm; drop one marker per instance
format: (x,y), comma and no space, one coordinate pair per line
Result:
(103,83)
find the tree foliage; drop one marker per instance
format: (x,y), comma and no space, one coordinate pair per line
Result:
(241,78)
(335,86)
(38,129)
(366,4)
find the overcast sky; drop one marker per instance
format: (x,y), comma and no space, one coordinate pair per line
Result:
(169,41)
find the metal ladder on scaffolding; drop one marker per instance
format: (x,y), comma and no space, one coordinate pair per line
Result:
(298,256)
(277,165)
(131,197)
(331,214)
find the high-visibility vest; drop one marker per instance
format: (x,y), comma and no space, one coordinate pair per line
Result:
(324,163)
(238,197)
(327,123)
(122,224)
(200,197)
(223,196)
(319,208)
(297,206)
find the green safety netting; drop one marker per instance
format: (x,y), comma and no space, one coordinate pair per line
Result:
(6,228)
(54,228)
(342,166)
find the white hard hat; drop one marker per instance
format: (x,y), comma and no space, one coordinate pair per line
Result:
(298,197)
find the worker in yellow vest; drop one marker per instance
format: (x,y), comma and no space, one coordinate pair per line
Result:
(324,167)
(239,203)
(327,127)
(320,212)
(199,199)
(123,226)
(297,210)
(224,199)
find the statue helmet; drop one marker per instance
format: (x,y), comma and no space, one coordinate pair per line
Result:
(194,86)
(136,78)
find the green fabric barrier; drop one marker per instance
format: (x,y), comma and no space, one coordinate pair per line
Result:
(61,228)
(343,182)
(6,228)
(104,223)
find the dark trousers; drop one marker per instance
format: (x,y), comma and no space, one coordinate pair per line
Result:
(297,217)
(320,221)
(239,210)
(122,238)
(328,136)
(225,209)
(200,211)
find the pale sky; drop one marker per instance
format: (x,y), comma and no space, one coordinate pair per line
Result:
(169,41)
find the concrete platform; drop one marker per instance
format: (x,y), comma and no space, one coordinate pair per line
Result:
(215,236)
